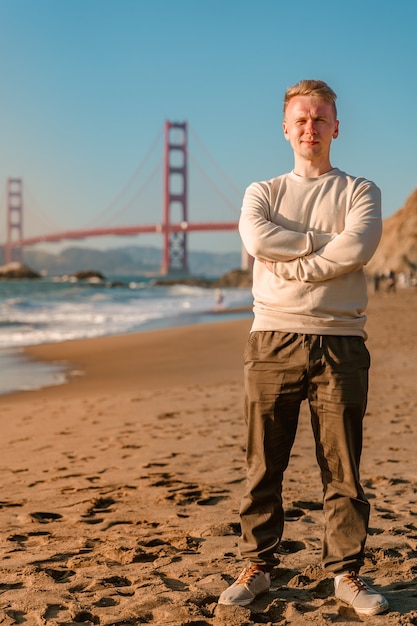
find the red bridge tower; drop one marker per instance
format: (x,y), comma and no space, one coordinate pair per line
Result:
(175,258)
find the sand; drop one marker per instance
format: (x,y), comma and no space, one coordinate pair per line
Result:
(120,489)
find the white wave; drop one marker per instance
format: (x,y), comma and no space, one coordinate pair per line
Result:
(57,312)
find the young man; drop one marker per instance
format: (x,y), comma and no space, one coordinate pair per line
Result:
(310,232)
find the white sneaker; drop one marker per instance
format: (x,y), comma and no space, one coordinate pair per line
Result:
(350,588)
(251,582)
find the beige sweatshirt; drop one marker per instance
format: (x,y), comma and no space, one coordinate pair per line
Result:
(319,233)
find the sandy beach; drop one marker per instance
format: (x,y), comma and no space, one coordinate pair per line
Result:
(120,489)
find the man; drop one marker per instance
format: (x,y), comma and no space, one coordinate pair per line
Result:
(311,232)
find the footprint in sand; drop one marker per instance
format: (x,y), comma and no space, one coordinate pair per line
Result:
(168,415)
(10,586)
(291,515)
(85,616)
(222,530)
(190,493)
(59,575)
(21,540)
(99,506)
(19,617)
(106,601)
(183,494)
(291,547)
(155,464)
(308,504)
(10,504)
(43,517)
(52,611)
(116,581)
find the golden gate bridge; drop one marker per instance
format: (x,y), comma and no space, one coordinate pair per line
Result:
(175,200)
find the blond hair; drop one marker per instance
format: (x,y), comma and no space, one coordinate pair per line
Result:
(310,87)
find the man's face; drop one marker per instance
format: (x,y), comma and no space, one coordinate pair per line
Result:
(310,125)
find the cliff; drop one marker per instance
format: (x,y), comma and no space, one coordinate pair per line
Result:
(398,247)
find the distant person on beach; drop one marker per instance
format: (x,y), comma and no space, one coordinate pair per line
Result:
(310,231)
(391,282)
(218,300)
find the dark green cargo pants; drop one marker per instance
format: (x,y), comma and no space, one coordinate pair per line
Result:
(331,372)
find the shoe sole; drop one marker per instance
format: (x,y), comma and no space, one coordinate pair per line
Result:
(374,611)
(244,602)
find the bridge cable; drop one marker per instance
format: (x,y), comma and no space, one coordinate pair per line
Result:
(228,202)
(216,165)
(98,219)
(134,198)
(37,211)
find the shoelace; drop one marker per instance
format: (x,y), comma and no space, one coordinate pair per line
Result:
(249,574)
(355,581)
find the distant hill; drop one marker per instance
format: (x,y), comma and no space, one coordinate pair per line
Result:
(126,261)
(398,248)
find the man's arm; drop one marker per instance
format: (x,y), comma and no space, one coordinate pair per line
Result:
(349,251)
(267,241)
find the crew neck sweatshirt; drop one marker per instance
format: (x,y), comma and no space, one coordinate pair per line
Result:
(318,233)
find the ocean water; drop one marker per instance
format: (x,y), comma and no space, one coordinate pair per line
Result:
(50,310)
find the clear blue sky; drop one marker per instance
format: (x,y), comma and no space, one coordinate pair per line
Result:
(86,86)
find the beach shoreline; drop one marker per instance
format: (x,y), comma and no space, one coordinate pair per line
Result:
(24,371)
(121,488)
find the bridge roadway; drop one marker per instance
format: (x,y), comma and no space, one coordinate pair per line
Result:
(181,227)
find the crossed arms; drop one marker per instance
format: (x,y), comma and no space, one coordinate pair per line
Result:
(311,256)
